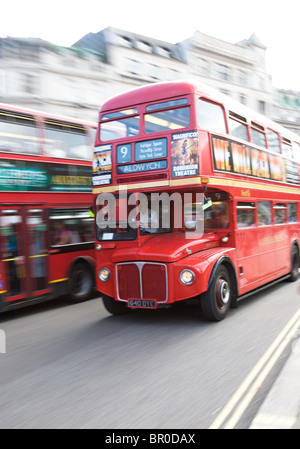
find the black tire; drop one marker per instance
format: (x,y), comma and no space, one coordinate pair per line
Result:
(114,307)
(294,264)
(81,282)
(215,302)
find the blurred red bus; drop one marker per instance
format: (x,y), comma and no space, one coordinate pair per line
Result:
(185,139)
(46,227)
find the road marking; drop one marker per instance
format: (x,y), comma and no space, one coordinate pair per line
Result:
(255,378)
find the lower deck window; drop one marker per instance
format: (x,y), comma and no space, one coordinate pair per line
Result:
(279,213)
(264,213)
(292,213)
(70,226)
(245,214)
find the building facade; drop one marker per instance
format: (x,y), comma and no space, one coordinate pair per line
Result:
(60,80)
(76,80)
(237,70)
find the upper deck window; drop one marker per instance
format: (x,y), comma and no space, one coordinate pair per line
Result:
(287,148)
(296,151)
(210,116)
(273,141)
(165,118)
(119,124)
(18,133)
(166,104)
(237,126)
(257,134)
(66,140)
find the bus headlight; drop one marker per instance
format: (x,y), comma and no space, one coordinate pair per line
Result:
(104,274)
(187,277)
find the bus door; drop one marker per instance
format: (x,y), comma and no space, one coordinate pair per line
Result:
(13,261)
(37,252)
(23,270)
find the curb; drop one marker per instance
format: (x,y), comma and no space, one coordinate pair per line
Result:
(281,408)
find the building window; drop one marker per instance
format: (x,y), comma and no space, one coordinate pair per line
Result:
(223,72)
(162,51)
(242,77)
(30,84)
(125,41)
(154,71)
(2,82)
(134,67)
(144,46)
(243,99)
(203,67)
(262,107)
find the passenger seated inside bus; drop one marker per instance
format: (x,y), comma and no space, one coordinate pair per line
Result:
(61,236)
(217,217)
(245,219)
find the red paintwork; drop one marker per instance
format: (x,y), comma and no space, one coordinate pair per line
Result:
(258,255)
(58,263)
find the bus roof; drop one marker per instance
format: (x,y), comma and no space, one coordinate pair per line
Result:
(164,90)
(44,114)
(149,93)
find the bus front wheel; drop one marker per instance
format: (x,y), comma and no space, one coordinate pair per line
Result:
(215,302)
(114,307)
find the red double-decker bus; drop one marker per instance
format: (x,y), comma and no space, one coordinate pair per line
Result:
(46,227)
(182,144)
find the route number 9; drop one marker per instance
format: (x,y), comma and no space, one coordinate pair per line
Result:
(123,154)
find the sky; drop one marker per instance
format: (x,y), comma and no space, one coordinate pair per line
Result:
(63,22)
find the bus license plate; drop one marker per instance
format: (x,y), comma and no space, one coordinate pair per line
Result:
(142,303)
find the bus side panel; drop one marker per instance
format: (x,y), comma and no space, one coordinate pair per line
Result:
(61,264)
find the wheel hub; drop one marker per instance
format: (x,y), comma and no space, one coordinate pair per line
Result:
(223,292)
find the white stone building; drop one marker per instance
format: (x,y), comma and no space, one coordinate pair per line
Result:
(76,80)
(43,76)
(237,70)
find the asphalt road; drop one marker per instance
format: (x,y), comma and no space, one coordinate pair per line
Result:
(76,366)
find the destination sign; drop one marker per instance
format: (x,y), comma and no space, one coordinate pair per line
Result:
(142,167)
(151,149)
